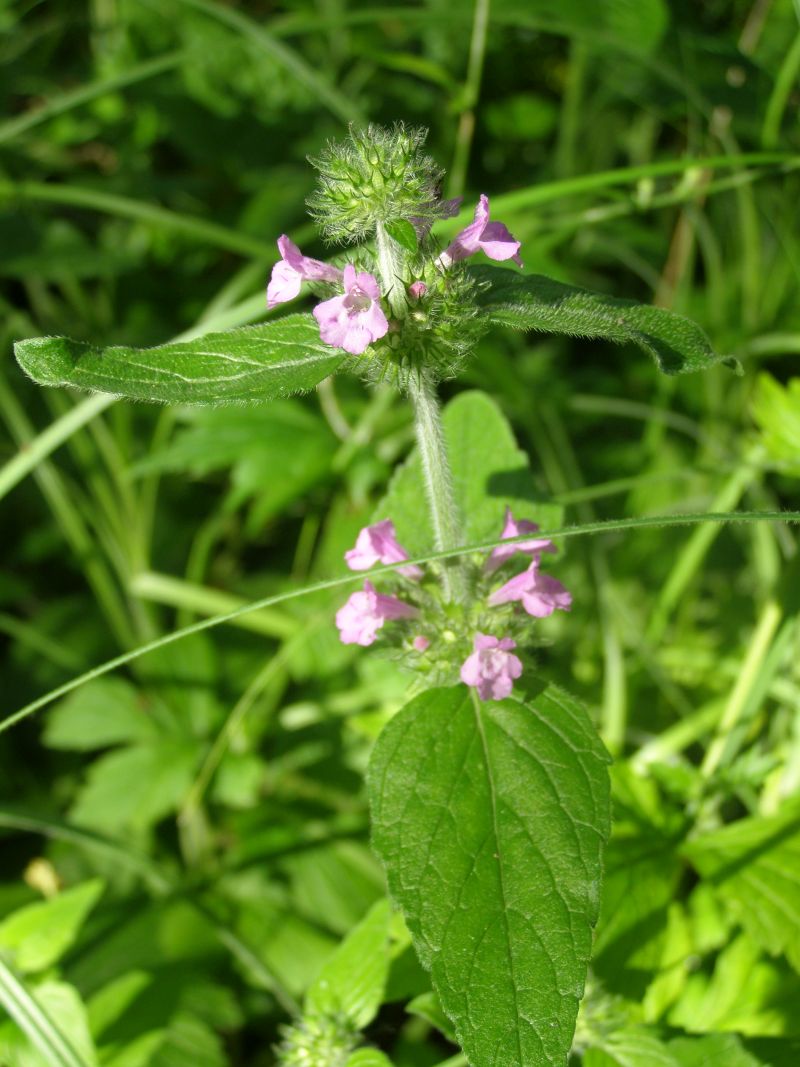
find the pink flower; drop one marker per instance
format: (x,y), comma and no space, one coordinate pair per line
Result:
(492,667)
(512,528)
(378,544)
(355,320)
(365,613)
(292,269)
(540,594)
(493,238)
(420,643)
(417,289)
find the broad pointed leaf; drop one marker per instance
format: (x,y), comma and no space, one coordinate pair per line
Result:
(37,935)
(260,362)
(534,302)
(491,820)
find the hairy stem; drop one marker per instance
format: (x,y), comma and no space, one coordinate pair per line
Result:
(391,262)
(444,513)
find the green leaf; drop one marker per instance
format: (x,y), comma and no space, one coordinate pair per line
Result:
(367,1057)
(39,934)
(108,711)
(746,992)
(633,1047)
(286,438)
(639,1047)
(260,362)
(132,788)
(404,233)
(533,302)
(715,1050)
(776,409)
(491,820)
(353,980)
(489,472)
(32,1011)
(428,1007)
(755,866)
(641,872)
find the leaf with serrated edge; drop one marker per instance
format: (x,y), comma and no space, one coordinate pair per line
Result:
(490,472)
(253,363)
(534,302)
(754,865)
(491,819)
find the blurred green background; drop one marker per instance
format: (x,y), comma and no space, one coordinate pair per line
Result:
(150,155)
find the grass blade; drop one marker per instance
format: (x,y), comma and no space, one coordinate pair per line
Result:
(31,1018)
(589,528)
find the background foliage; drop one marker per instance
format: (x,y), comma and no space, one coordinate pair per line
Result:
(185,841)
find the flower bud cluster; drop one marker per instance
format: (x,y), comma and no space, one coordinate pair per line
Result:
(377,175)
(317,1041)
(401,303)
(473,641)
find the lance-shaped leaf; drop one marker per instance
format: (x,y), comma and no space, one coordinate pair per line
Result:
(260,362)
(491,820)
(533,302)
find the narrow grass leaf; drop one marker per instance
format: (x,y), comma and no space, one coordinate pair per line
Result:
(35,1023)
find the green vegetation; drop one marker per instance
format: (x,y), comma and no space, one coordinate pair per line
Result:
(207,796)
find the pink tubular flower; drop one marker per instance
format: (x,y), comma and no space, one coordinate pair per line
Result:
(539,593)
(417,289)
(378,544)
(292,269)
(365,613)
(492,667)
(355,320)
(420,642)
(493,238)
(512,528)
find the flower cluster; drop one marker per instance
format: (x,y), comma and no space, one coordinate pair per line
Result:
(430,632)
(402,290)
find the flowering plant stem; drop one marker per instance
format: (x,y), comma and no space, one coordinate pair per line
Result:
(445,516)
(390,267)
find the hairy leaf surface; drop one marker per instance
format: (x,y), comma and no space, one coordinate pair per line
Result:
(260,362)
(534,302)
(491,820)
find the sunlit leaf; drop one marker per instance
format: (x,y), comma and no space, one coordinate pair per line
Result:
(39,934)
(491,820)
(533,302)
(260,362)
